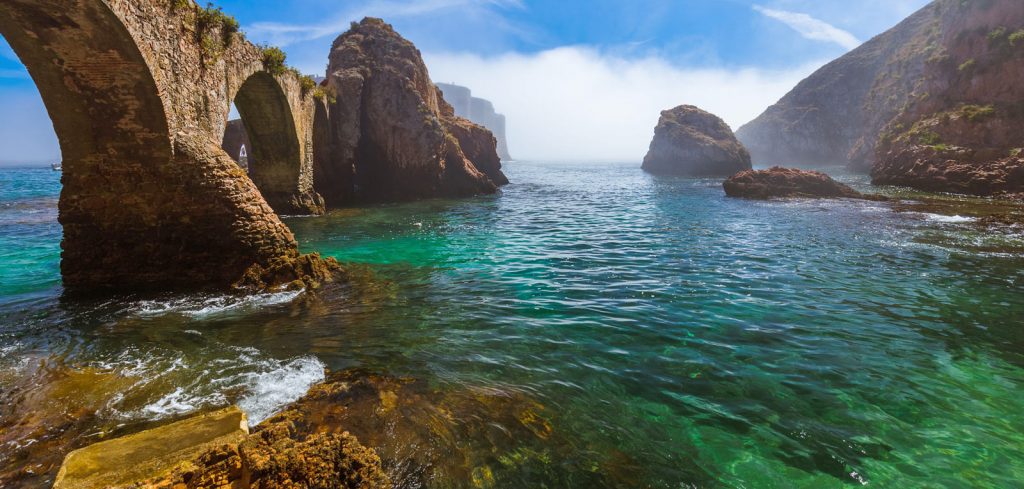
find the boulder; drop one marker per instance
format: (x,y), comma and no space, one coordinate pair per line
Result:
(786,182)
(689,141)
(387,140)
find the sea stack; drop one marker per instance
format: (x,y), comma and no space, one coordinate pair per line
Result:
(388,140)
(691,142)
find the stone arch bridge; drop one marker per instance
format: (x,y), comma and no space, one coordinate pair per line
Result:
(139,93)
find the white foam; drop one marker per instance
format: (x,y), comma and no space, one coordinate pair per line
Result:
(270,391)
(202,307)
(948,219)
(175,403)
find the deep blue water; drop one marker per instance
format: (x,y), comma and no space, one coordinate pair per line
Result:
(672,334)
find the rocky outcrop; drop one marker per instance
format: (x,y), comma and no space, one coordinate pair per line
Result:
(216,450)
(282,453)
(387,140)
(956,170)
(152,453)
(478,110)
(786,182)
(689,141)
(964,130)
(476,141)
(934,103)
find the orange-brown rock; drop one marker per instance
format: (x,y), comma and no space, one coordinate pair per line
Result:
(786,182)
(965,129)
(387,141)
(477,142)
(281,453)
(957,170)
(691,142)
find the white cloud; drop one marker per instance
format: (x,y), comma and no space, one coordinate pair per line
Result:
(811,28)
(284,34)
(576,103)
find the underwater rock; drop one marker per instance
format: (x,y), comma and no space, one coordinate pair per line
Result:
(689,141)
(387,141)
(786,182)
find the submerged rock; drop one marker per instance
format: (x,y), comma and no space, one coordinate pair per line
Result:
(786,182)
(387,140)
(689,141)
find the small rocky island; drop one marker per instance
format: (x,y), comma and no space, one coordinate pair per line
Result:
(391,135)
(691,142)
(780,182)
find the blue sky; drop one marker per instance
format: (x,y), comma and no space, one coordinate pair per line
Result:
(579,79)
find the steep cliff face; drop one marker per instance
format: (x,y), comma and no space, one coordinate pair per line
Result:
(477,143)
(387,140)
(835,115)
(479,111)
(964,129)
(689,141)
(917,105)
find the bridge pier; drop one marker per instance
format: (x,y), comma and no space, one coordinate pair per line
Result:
(139,101)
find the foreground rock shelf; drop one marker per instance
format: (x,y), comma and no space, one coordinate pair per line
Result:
(152,453)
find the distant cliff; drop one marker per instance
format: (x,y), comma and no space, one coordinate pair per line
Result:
(479,111)
(945,84)
(835,115)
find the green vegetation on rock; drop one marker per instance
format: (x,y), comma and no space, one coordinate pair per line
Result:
(273,60)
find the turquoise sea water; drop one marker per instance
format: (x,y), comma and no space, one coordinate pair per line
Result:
(674,337)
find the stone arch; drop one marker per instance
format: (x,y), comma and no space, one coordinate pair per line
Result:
(149,201)
(88,68)
(275,152)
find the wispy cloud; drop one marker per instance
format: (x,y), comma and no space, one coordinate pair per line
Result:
(810,27)
(578,102)
(284,34)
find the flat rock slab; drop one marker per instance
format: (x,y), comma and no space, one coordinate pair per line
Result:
(151,453)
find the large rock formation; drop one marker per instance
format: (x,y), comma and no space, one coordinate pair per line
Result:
(964,129)
(387,140)
(476,141)
(933,103)
(478,110)
(836,114)
(785,182)
(689,141)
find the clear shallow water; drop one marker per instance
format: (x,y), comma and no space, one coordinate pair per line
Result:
(675,338)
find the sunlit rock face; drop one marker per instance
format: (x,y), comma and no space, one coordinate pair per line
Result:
(477,142)
(964,130)
(691,142)
(387,140)
(931,103)
(479,111)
